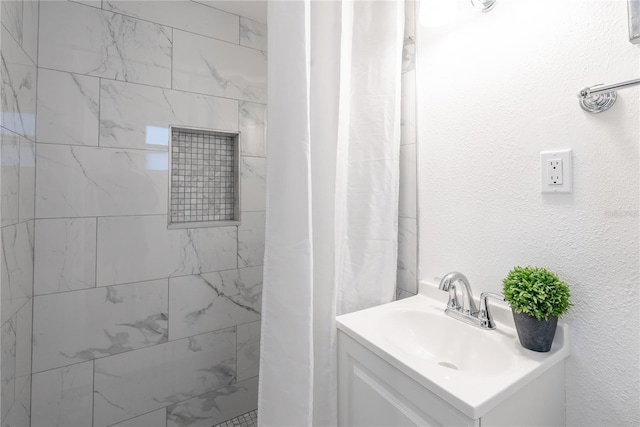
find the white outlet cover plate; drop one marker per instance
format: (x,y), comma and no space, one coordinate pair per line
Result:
(567,171)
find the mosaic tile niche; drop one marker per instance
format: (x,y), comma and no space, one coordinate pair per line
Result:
(204,181)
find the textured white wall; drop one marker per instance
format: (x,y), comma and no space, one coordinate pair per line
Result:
(494,90)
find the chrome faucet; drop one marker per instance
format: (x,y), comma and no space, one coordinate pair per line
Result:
(466,309)
(448,283)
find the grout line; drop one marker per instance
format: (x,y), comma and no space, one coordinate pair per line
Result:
(93,394)
(121,13)
(17,310)
(236,359)
(168,306)
(230,13)
(138,416)
(140,282)
(43,218)
(172,57)
(13,224)
(84,4)
(35,182)
(154,86)
(96,288)
(34,63)
(165,343)
(95,273)
(42,143)
(99,111)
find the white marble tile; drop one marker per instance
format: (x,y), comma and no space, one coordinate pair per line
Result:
(152,419)
(410,9)
(19,413)
(7,389)
(139,116)
(216,406)
(408,189)
(98,322)
(248,350)
(189,16)
(65,255)
(253,129)
(7,366)
(18,75)
(15,367)
(137,248)
(31,12)
(8,345)
(10,172)
(92,3)
(96,42)
(204,65)
(17,268)
(90,181)
(409,44)
(18,177)
(11,12)
(253,34)
(253,183)
(251,239)
(27,179)
(137,382)
(67,108)
(408,55)
(407,255)
(402,294)
(20,18)
(62,397)
(211,301)
(253,9)
(408,109)
(24,332)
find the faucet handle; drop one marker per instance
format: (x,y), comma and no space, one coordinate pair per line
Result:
(484,315)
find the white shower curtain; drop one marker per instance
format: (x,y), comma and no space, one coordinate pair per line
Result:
(332,192)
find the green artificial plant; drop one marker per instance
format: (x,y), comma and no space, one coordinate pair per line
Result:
(536,292)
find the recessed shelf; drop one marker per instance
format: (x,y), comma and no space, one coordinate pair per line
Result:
(204,178)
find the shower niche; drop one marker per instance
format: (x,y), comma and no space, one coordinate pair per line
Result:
(204,178)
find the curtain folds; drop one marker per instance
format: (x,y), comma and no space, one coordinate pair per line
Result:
(332,192)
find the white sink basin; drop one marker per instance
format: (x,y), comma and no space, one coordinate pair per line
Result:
(446,342)
(472,369)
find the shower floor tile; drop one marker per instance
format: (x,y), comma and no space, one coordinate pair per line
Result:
(250,419)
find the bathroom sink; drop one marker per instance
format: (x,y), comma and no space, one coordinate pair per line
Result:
(470,368)
(429,335)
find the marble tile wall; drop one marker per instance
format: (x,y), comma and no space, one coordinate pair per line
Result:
(135,324)
(407,224)
(18,51)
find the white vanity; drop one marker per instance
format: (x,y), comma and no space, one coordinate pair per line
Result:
(408,364)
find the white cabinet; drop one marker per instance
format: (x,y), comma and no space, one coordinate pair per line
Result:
(372,392)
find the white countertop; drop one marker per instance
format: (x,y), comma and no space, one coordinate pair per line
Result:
(488,365)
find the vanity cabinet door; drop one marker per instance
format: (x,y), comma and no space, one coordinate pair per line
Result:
(371,392)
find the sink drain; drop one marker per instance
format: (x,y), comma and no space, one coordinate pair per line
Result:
(448,365)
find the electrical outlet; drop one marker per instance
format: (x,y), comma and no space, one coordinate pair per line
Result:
(556,171)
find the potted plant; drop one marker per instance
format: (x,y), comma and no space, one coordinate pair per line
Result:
(537,299)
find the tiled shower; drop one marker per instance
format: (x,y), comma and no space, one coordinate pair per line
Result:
(110,317)
(407,277)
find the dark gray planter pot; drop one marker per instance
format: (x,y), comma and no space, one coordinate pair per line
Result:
(534,334)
